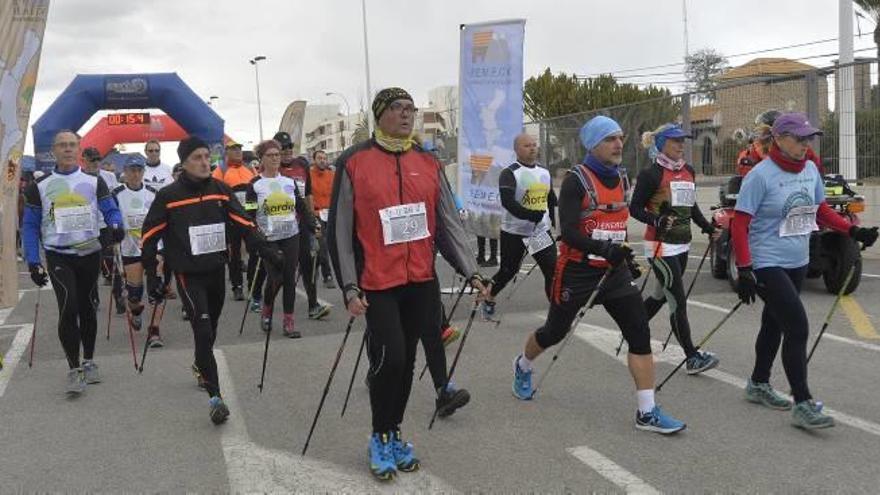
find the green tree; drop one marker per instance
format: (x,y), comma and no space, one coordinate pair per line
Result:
(872,9)
(362,130)
(701,68)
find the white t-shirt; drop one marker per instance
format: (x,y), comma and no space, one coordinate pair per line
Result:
(158,176)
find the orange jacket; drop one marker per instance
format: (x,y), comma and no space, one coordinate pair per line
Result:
(237,176)
(322,187)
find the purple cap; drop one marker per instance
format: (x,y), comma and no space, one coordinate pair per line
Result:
(795,124)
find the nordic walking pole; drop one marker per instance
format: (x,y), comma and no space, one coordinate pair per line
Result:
(109,311)
(467,330)
(449,319)
(357,362)
(247,305)
(834,305)
(147,339)
(690,288)
(644,284)
(276,289)
(124,294)
(327,386)
(573,327)
(518,283)
(700,345)
(34,330)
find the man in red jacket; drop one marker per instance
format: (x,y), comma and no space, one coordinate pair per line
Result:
(391,208)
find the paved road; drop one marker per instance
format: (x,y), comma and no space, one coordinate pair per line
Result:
(151,432)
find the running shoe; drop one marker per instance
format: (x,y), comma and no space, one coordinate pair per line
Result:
(200,380)
(659,422)
(381,452)
(90,372)
(219,411)
(154,338)
(809,416)
(266,318)
(763,393)
(136,322)
(522,382)
(328,283)
(489,263)
(404,457)
(76,381)
(487,310)
(700,362)
(288,328)
(449,335)
(450,400)
(319,311)
(237,293)
(256,304)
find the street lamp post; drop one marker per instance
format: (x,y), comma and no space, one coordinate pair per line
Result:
(344,99)
(367,67)
(253,62)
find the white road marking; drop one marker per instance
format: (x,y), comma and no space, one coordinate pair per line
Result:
(870,275)
(606,340)
(320,301)
(16,350)
(612,471)
(254,469)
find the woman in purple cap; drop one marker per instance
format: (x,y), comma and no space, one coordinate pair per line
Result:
(665,199)
(780,203)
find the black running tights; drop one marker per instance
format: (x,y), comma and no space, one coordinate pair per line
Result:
(75,281)
(202,295)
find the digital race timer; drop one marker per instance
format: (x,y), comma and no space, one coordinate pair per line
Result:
(128,118)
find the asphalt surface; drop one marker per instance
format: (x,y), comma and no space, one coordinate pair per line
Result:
(151,432)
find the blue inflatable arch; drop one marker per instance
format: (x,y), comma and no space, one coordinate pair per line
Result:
(87,94)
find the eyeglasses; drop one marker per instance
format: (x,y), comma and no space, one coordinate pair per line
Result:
(403,107)
(153,151)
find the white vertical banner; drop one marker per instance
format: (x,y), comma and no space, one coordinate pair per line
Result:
(491,89)
(22,23)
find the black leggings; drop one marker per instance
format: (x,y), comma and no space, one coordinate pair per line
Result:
(323,254)
(234,239)
(75,282)
(481,248)
(202,295)
(255,285)
(512,254)
(783,320)
(432,343)
(306,268)
(290,251)
(669,271)
(619,297)
(397,318)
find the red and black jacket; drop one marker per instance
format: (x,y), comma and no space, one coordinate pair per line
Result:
(186,203)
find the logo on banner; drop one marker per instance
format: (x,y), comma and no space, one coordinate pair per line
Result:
(30,11)
(126,88)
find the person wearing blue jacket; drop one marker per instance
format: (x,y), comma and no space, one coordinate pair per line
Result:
(63,212)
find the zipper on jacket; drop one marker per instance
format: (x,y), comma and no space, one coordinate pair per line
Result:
(400,197)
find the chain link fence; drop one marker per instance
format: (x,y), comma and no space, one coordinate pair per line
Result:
(723,121)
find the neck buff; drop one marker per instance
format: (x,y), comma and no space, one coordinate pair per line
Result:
(393,144)
(784,162)
(668,163)
(600,168)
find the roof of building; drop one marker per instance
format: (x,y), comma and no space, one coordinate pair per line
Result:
(765,67)
(703,112)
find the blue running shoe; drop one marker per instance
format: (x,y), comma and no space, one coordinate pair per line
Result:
(657,421)
(404,457)
(487,310)
(256,305)
(382,457)
(522,382)
(219,412)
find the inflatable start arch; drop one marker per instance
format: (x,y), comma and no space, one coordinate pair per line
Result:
(87,94)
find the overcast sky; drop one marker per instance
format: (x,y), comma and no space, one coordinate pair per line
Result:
(317,46)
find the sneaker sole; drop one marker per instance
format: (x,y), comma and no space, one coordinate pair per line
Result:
(324,312)
(383,476)
(156,345)
(220,414)
(657,429)
(450,408)
(708,367)
(411,468)
(804,426)
(761,401)
(93,381)
(292,335)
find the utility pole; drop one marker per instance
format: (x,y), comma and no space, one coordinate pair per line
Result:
(846,93)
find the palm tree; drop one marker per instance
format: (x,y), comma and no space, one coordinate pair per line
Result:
(871,8)
(362,131)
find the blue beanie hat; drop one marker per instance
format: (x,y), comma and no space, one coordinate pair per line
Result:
(597,129)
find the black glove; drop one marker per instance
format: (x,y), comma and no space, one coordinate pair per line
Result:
(708,229)
(155,288)
(536,216)
(38,274)
(635,270)
(663,223)
(272,256)
(867,236)
(617,253)
(746,284)
(117,234)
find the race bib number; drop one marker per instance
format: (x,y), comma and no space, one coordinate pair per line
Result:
(404,223)
(74,219)
(324,215)
(801,220)
(135,220)
(615,236)
(240,196)
(204,239)
(282,224)
(683,193)
(538,242)
(300,186)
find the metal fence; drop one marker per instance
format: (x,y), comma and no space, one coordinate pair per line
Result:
(723,121)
